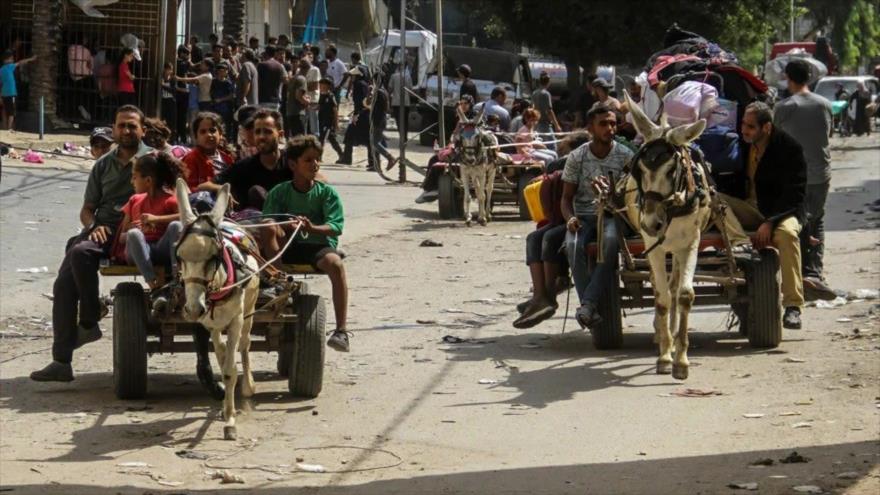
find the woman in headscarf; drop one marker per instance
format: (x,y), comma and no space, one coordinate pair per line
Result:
(860,100)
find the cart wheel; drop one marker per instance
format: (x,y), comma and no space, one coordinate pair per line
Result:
(450,199)
(524,180)
(765,307)
(306,375)
(286,351)
(129,341)
(608,334)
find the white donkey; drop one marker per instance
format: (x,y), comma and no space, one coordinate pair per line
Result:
(476,148)
(207,268)
(673,203)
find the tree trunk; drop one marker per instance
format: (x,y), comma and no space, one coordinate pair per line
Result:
(46,38)
(234,13)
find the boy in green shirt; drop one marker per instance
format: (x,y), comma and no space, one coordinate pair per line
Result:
(319,210)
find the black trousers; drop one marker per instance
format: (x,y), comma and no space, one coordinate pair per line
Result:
(329,134)
(76,293)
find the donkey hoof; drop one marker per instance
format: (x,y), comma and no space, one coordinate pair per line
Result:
(679,372)
(218,391)
(229,433)
(482,222)
(664,368)
(467,223)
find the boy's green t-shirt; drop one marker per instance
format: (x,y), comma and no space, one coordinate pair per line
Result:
(321,205)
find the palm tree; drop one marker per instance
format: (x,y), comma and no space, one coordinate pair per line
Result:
(234,13)
(45,40)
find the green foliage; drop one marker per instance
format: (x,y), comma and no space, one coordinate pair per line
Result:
(594,31)
(861,34)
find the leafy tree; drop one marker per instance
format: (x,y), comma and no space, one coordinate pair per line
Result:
(860,36)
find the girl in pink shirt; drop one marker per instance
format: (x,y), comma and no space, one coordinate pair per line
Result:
(151,226)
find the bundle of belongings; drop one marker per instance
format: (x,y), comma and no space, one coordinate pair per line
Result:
(693,78)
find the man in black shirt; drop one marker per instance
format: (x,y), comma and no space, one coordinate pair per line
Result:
(253,177)
(379,120)
(270,78)
(181,93)
(467,86)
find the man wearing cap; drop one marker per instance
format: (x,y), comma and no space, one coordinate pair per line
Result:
(467,86)
(100,141)
(76,307)
(602,92)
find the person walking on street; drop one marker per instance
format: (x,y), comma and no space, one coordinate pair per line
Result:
(8,89)
(328,115)
(400,79)
(376,146)
(807,117)
(543,103)
(76,307)
(860,100)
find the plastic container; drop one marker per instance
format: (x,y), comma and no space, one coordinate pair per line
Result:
(532,196)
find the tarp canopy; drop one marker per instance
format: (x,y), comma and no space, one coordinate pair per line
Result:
(774,71)
(487,65)
(424,41)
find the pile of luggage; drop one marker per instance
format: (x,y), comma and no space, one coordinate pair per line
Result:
(693,78)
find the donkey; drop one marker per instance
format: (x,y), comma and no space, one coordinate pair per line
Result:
(476,148)
(207,269)
(673,206)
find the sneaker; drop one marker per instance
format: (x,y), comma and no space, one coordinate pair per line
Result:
(391,164)
(792,318)
(338,340)
(815,288)
(54,372)
(427,197)
(87,335)
(342,161)
(535,314)
(371,168)
(587,315)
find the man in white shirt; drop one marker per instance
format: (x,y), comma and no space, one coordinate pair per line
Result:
(398,79)
(335,69)
(313,76)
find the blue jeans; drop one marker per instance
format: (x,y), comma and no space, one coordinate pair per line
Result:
(144,254)
(590,286)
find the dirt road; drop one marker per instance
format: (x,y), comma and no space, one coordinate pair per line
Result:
(506,411)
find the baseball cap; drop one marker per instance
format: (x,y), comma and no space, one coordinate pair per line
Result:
(104,133)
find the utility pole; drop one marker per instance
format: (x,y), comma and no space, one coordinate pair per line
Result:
(441,64)
(791,20)
(401,117)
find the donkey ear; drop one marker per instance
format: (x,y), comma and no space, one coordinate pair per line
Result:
(644,126)
(221,204)
(684,134)
(186,214)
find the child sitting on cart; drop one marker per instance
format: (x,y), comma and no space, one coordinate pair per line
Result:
(318,209)
(151,225)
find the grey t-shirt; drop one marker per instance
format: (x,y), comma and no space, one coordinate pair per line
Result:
(807,118)
(249,73)
(582,166)
(109,186)
(543,103)
(296,85)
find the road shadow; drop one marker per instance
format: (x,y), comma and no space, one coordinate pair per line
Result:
(174,403)
(696,474)
(847,208)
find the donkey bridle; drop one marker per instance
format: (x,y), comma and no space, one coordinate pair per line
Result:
(212,233)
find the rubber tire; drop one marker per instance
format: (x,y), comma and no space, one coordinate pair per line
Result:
(449,201)
(608,334)
(524,180)
(765,305)
(129,341)
(306,375)
(285,356)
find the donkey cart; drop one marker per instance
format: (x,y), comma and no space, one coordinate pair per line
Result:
(748,282)
(291,323)
(510,181)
